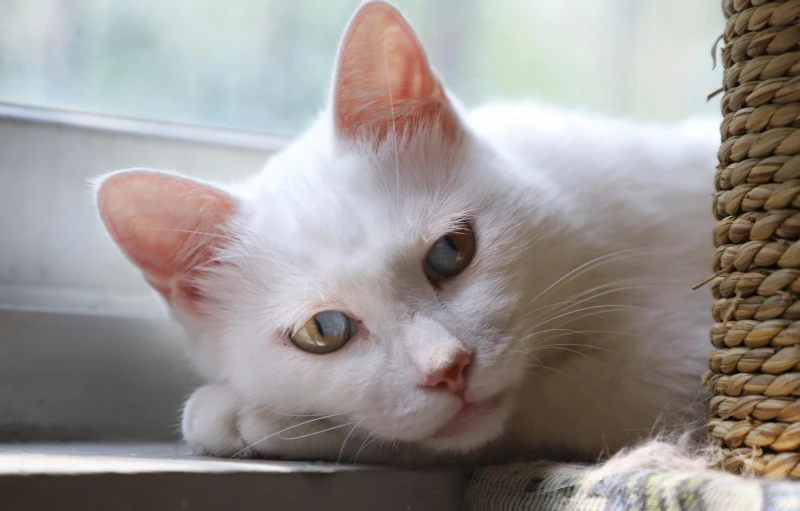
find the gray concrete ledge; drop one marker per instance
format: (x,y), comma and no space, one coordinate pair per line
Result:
(154,477)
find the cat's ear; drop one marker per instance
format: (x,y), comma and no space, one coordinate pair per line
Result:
(166,225)
(383,81)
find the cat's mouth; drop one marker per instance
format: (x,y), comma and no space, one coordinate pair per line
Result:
(469,414)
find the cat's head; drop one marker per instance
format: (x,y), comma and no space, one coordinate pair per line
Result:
(371,272)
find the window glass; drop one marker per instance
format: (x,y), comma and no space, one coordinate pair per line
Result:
(265,64)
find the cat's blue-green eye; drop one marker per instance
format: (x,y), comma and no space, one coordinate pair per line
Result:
(327,331)
(450,254)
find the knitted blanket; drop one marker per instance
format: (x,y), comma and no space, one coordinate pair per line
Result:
(541,486)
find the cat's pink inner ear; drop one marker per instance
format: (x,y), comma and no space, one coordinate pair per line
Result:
(166,225)
(383,81)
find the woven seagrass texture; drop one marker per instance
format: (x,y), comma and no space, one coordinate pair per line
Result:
(754,371)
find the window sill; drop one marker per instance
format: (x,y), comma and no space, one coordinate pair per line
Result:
(155,129)
(160,476)
(90,377)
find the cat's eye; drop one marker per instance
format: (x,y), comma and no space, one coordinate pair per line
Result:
(450,254)
(325,332)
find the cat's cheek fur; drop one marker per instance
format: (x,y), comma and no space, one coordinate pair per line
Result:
(218,422)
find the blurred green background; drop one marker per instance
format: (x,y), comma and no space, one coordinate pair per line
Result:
(265,64)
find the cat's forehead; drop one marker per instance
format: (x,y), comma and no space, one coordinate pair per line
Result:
(326,215)
(348,200)
(331,241)
(346,216)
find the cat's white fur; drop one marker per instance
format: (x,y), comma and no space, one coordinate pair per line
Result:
(577,309)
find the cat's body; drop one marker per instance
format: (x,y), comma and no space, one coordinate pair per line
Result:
(631,220)
(572,331)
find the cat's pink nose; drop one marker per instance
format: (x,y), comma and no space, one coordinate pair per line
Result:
(453,376)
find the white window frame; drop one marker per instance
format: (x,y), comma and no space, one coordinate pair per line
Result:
(151,128)
(101,362)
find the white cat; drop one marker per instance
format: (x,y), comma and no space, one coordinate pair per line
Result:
(412,281)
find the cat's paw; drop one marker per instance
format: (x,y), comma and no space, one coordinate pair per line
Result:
(211,421)
(215,422)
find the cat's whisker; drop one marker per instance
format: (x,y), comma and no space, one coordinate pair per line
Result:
(599,291)
(528,244)
(560,348)
(537,375)
(236,454)
(587,266)
(534,338)
(567,347)
(344,443)
(394,436)
(291,414)
(537,339)
(572,320)
(584,333)
(560,373)
(368,440)
(561,333)
(606,307)
(318,432)
(587,315)
(578,299)
(589,346)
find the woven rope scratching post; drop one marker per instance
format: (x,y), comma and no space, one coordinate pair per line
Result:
(755,369)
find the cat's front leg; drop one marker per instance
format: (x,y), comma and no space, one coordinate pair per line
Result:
(216,422)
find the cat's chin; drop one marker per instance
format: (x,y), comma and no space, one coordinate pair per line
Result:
(473,426)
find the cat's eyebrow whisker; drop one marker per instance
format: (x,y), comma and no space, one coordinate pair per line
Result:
(236,454)
(344,443)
